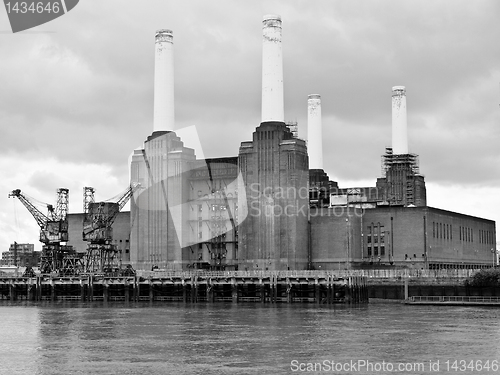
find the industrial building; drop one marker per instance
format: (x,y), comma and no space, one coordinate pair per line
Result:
(398,236)
(272,206)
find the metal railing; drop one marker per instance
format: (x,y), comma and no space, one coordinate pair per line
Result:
(374,273)
(467,299)
(389,274)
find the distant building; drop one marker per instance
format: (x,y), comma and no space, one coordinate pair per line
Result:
(21,254)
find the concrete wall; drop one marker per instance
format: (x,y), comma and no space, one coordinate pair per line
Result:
(414,237)
(460,238)
(335,237)
(404,232)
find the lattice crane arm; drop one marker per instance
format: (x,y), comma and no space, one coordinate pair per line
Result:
(122,201)
(100,216)
(40,218)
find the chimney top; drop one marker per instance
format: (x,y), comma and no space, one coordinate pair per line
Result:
(164,35)
(269,17)
(314,96)
(399,88)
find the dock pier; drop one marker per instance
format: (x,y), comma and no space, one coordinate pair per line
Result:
(191,287)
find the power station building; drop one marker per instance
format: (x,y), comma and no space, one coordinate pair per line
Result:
(273,207)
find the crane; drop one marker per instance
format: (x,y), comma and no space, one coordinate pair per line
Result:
(56,257)
(98,218)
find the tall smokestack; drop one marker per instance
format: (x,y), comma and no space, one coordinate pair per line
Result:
(314,132)
(272,70)
(164,81)
(399,122)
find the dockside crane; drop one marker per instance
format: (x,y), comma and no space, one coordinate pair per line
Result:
(56,257)
(98,217)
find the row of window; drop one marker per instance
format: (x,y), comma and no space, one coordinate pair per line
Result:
(380,250)
(442,230)
(267,134)
(466,234)
(486,237)
(375,240)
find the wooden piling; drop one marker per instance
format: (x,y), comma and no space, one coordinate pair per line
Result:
(289,291)
(12,290)
(317,291)
(82,290)
(210,291)
(262,291)
(194,289)
(52,290)
(91,288)
(184,291)
(273,285)
(31,290)
(38,288)
(234,290)
(105,291)
(126,290)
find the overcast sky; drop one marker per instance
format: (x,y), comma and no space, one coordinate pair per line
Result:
(76,94)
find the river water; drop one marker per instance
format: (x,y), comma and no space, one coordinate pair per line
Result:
(176,338)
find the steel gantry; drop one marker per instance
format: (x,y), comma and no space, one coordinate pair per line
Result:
(98,217)
(56,257)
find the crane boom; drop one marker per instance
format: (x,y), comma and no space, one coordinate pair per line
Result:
(100,216)
(40,218)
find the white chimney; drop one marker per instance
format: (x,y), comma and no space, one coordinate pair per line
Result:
(399,122)
(272,70)
(164,81)
(314,132)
